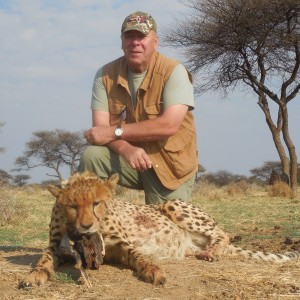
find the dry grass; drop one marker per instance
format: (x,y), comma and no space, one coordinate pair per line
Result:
(240,190)
(29,211)
(260,221)
(281,189)
(245,210)
(11,210)
(25,212)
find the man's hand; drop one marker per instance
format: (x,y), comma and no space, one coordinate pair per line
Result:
(100,135)
(136,157)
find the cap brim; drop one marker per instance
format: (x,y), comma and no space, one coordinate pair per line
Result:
(143,30)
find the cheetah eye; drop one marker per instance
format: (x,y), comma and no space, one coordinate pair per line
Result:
(73,206)
(96,203)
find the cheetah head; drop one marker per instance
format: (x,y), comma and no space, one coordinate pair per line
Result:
(85,199)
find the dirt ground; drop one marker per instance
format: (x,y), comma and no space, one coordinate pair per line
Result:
(188,279)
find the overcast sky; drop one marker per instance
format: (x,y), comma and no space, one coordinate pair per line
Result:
(50,51)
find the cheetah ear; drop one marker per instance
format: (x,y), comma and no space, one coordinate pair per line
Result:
(112,181)
(54,190)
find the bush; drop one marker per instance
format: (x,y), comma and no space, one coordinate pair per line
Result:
(207,190)
(237,188)
(280,189)
(10,210)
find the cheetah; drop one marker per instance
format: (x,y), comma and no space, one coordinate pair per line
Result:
(135,236)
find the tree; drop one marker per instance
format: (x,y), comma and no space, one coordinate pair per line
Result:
(4,177)
(53,150)
(264,172)
(222,178)
(252,44)
(201,169)
(21,179)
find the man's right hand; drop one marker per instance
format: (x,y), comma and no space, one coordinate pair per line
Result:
(136,157)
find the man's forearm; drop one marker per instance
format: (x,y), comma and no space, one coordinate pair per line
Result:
(118,146)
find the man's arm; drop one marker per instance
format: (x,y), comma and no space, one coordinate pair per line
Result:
(155,129)
(136,157)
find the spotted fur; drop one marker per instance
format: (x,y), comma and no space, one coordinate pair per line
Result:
(135,236)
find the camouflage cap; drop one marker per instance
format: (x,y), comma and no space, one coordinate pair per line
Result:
(139,21)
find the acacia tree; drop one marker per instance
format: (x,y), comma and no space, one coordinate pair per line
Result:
(53,150)
(222,178)
(264,172)
(21,179)
(247,43)
(4,177)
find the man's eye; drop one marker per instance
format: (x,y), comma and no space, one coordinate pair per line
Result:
(73,206)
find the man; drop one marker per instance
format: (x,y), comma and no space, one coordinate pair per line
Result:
(143,127)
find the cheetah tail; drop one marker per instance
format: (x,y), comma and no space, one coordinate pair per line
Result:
(264,256)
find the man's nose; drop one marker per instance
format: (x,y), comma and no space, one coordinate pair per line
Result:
(136,40)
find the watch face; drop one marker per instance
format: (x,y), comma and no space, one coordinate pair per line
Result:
(118,132)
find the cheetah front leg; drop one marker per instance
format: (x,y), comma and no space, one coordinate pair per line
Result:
(121,252)
(51,256)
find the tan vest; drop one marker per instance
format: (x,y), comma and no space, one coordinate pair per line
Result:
(174,159)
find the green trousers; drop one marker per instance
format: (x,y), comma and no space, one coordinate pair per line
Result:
(105,162)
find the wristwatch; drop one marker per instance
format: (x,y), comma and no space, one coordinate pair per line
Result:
(118,132)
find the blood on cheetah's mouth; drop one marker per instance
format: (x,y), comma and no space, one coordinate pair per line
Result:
(91,249)
(86,249)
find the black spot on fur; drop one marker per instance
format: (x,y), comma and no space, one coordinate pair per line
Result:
(180,219)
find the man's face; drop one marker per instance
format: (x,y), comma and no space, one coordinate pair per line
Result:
(138,49)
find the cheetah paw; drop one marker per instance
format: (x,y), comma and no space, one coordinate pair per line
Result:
(153,274)
(205,255)
(34,278)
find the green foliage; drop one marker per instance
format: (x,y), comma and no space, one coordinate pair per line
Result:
(64,277)
(253,45)
(53,150)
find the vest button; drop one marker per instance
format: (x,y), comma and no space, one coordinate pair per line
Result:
(156,166)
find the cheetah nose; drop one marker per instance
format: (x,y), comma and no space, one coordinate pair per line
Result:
(86,226)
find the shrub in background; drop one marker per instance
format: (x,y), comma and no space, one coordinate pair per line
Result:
(280,189)
(10,209)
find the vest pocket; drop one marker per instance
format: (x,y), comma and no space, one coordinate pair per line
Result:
(115,111)
(153,110)
(180,153)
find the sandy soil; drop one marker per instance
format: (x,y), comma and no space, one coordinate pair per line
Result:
(188,279)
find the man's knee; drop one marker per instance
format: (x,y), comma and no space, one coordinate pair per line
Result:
(92,158)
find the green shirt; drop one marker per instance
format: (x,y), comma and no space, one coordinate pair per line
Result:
(178,89)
